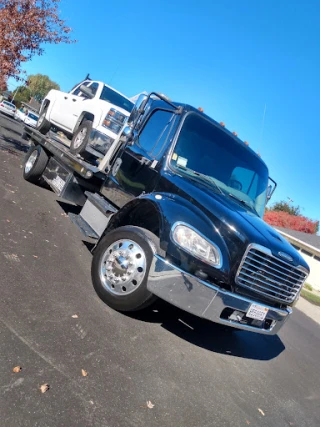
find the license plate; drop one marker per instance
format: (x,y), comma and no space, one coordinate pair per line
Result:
(58,183)
(257,312)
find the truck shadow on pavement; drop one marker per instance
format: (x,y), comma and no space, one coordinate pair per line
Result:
(12,145)
(211,336)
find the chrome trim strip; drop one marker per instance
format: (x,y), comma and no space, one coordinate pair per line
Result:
(271,268)
(272,256)
(253,285)
(291,292)
(260,274)
(288,297)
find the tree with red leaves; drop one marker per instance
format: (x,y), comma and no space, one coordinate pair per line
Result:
(25,25)
(293,222)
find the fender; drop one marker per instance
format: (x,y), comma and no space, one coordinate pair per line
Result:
(158,212)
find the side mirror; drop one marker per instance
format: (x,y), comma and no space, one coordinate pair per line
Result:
(87,91)
(138,108)
(271,189)
(269,192)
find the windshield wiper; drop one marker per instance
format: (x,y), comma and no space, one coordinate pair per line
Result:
(204,177)
(243,202)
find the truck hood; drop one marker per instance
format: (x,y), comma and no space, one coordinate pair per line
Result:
(238,226)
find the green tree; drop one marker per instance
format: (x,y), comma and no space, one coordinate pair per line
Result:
(22,94)
(284,206)
(39,85)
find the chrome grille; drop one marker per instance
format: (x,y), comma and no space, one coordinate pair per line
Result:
(269,276)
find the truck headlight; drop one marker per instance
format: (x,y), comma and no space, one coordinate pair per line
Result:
(195,244)
(114,120)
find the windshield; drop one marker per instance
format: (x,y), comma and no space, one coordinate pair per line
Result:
(207,153)
(115,98)
(8,104)
(32,116)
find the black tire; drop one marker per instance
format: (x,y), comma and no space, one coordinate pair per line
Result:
(39,163)
(85,127)
(140,297)
(43,125)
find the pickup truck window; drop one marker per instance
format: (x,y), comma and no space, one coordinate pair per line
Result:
(78,91)
(205,152)
(153,136)
(94,87)
(115,98)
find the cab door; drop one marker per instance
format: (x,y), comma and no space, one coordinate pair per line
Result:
(135,170)
(68,107)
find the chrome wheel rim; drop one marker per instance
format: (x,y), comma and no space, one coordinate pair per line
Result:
(31,161)
(80,137)
(123,267)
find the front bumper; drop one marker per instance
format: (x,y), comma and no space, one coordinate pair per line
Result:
(100,142)
(7,112)
(209,301)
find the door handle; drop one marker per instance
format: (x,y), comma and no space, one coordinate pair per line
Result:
(65,97)
(74,100)
(144,161)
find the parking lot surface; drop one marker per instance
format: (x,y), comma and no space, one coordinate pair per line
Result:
(53,325)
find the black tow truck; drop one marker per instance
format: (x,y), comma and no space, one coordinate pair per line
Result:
(175,207)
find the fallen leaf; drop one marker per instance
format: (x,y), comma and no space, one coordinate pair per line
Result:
(11,257)
(248,422)
(75,316)
(44,388)
(8,220)
(47,241)
(150,405)
(35,256)
(84,372)
(261,412)
(16,369)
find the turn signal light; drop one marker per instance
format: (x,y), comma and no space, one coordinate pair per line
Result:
(235,133)
(246,142)
(222,124)
(201,109)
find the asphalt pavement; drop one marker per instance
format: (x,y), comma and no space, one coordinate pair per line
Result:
(52,324)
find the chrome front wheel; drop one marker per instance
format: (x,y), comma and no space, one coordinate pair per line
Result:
(120,268)
(31,161)
(123,267)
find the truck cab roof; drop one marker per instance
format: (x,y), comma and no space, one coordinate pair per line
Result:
(189,108)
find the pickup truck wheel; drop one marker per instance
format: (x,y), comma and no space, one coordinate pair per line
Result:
(43,125)
(81,137)
(35,163)
(120,268)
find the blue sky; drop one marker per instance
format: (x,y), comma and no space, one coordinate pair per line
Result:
(230,57)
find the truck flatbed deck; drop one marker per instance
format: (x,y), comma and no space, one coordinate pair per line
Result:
(56,147)
(69,175)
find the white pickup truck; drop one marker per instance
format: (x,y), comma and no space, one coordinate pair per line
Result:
(92,115)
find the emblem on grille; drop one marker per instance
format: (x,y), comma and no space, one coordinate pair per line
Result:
(285,256)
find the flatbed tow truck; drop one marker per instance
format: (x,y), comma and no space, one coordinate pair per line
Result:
(175,207)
